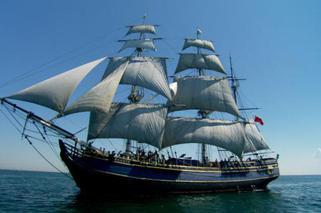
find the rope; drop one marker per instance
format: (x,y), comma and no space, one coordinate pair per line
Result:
(27,138)
(56,59)
(13,116)
(170,46)
(111,143)
(46,140)
(10,121)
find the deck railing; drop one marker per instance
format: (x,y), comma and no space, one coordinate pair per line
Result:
(83,152)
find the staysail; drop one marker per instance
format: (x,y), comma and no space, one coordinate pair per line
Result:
(55,92)
(100,97)
(255,140)
(204,93)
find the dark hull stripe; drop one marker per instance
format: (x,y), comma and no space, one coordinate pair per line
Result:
(189,181)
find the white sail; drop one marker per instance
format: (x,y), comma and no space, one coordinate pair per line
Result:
(224,134)
(192,42)
(147,72)
(138,43)
(141,122)
(100,97)
(55,92)
(143,28)
(199,61)
(203,92)
(98,120)
(255,140)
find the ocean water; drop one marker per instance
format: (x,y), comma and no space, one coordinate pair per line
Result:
(22,191)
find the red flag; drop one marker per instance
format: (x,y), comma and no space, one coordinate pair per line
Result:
(258,120)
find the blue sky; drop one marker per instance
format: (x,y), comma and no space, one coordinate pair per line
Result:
(275,45)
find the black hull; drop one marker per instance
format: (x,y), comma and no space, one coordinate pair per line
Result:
(94,175)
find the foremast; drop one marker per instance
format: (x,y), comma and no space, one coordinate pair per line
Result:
(136,94)
(202,113)
(140,45)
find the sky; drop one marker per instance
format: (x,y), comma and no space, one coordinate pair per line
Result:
(274,44)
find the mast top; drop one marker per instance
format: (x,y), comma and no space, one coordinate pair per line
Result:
(144,17)
(198,33)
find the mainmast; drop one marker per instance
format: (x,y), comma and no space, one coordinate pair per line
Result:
(234,81)
(202,92)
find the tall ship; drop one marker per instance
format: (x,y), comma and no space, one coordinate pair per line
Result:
(153,119)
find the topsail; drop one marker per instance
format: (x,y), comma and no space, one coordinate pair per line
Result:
(143,28)
(138,43)
(199,61)
(204,93)
(147,72)
(205,44)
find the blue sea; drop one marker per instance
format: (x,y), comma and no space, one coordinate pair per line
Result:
(22,191)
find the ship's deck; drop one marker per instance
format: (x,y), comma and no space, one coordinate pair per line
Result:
(176,163)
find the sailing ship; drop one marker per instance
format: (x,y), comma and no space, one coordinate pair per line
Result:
(244,160)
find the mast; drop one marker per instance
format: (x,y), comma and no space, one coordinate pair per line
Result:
(202,113)
(198,33)
(206,94)
(234,81)
(136,94)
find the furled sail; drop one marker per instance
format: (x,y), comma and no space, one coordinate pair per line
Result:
(138,43)
(203,92)
(55,92)
(255,140)
(199,61)
(141,122)
(224,134)
(199,43)
(100,97)
(147,72)
(142,28)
